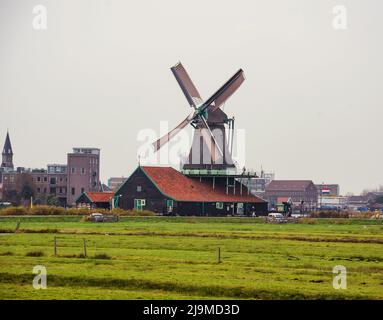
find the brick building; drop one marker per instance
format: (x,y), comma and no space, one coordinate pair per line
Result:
(83,173)
(115,182)
(51,181)
(64,181)
(297,190)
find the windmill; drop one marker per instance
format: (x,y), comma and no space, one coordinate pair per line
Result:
(210,146)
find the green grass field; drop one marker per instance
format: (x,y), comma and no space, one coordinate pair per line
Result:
(176,258)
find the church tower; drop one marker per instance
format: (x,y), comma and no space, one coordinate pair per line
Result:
(7,155)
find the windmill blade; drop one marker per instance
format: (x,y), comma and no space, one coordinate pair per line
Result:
(224,93)
(188,88)
(165,139)
(210,140)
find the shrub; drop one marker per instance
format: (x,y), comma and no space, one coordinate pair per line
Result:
(34,254)
(330,214)
(44,210)
(135,212)
(13,211)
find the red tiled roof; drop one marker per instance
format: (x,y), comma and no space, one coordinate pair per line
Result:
(282,199)
(99,196)
(288,185)
(175,185)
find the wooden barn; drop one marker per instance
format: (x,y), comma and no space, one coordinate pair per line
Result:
(101,200)
(168,191)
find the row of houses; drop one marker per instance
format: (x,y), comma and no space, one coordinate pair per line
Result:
(169,191)
(66,182)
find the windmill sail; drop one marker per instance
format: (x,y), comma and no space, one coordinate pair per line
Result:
(224,93)
(188,88)
(165,139)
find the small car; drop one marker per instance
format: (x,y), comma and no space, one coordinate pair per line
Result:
(97,217)
(276,217)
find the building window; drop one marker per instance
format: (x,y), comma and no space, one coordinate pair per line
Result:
(82,190)
(45,190)
(139,188)
(139,204)
(38,179)
(73,191)
(45,179)
(82,170)
(219,205)
(38,190)
(73,170)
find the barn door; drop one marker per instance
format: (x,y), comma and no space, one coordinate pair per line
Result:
(139,204)
(240,208)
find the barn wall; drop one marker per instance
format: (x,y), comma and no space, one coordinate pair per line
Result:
(155,201)
(209,209)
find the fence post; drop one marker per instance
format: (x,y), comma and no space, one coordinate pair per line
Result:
(84,248)
(219,255)
(17,226)
(55,246)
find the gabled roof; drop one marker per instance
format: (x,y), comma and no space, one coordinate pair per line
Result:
(176,186)
(99,196)
(7,146)
(282,199)
(288,185)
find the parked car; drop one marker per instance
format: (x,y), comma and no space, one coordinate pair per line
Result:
(97,217)
(276,217)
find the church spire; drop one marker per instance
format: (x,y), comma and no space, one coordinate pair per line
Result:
(7,146)
(7,155)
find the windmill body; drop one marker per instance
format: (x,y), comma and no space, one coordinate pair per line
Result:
(200,156)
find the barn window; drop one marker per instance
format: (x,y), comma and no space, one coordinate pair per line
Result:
(139,188)
(219,205)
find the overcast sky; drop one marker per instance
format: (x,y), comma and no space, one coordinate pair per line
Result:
(311,105)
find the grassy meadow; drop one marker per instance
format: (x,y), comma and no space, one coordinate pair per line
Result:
(176,258)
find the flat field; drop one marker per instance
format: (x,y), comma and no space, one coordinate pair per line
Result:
(177,258)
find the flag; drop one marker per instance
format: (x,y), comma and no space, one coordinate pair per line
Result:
(326,191)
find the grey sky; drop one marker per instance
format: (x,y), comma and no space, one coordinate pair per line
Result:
(311,103)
